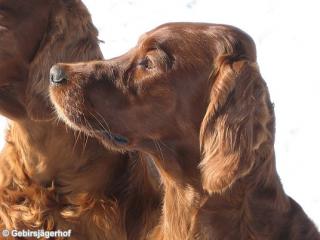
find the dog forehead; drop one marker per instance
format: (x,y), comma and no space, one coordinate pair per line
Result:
(152,38)
(169,31)
(166,36)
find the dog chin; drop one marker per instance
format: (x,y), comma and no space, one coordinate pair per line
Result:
(60,112)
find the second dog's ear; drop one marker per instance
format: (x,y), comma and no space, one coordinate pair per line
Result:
(226,137)
(14,74)
(39,109)
(10,107)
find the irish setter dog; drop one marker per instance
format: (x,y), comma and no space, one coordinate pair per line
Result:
(51,177)
(191,96)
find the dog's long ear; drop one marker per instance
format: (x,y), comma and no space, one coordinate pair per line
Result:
(13,75)
(235,124)
(71,37)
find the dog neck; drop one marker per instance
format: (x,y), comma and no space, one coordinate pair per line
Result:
(183,194)
(189,211)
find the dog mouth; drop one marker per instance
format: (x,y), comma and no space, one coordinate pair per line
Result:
(111,137)
(78,117)
(97,131)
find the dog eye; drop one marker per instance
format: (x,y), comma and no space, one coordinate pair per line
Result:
(146,63)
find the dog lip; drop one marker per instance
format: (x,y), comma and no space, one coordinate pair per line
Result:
(118,139)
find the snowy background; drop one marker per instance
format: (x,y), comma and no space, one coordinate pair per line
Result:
(287,36)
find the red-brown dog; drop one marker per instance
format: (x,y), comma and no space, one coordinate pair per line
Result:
(51,177)
(191,96)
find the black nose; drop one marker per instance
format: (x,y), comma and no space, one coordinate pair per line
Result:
(58,75)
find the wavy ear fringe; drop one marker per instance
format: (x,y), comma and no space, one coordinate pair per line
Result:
(226,135)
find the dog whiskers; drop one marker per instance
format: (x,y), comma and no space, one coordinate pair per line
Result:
(105,128)
(158,147)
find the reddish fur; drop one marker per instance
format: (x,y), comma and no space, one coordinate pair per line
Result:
(201,109)
(50,176)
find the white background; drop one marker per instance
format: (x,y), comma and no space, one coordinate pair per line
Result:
(287,35)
